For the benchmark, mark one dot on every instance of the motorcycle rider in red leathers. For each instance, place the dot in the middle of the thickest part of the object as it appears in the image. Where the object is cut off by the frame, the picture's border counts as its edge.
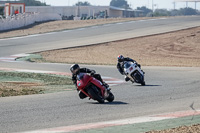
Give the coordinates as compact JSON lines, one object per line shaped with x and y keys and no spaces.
{"x":75,"y":69}
{"x":121,"y":60}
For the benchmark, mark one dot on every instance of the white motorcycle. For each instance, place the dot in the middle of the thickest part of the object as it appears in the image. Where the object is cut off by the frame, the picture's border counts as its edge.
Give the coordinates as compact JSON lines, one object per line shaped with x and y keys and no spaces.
{"x":133,"y":71}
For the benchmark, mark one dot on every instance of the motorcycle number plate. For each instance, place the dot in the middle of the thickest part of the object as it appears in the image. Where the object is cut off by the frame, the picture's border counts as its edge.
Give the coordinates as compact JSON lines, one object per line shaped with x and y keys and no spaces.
{"x":131,"y":68}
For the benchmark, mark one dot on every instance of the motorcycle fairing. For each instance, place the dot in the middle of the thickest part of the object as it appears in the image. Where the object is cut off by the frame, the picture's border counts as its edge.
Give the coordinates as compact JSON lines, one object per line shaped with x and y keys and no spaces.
{"x":99,"y":85}
{"x":130,"y":69}
{"x":85,"y":80}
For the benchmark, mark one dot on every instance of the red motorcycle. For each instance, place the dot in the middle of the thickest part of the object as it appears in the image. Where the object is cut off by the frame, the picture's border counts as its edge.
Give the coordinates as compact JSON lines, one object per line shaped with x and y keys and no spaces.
{"x":93,"y":88}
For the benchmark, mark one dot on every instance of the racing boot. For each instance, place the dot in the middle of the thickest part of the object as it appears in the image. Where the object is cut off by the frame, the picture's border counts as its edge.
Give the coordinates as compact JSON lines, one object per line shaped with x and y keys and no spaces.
{"x":127,"y":78}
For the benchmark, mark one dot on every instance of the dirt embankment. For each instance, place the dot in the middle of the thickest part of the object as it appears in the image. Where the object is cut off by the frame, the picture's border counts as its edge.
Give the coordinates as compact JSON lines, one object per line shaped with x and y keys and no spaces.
{"x":179,"y":48}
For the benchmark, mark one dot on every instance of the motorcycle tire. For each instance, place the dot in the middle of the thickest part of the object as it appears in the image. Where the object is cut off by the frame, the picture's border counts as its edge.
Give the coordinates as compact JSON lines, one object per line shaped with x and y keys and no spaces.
{"x":95,"y":94}
{"x":110,"y":97}
{"x":143,"y":83}
{"x":137,"y":78}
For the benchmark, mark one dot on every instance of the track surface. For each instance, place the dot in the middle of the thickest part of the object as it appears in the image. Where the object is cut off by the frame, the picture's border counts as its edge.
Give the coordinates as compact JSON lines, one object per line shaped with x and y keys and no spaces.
{"x":94,"y":34}
{"x":168,"y":89}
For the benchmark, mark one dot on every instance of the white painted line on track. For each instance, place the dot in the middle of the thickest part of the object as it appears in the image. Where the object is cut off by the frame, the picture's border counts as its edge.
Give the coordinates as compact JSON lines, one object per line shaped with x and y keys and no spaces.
{"x":21,"y":55}
{"x":34,"y":71}
{"x":12,"y":58}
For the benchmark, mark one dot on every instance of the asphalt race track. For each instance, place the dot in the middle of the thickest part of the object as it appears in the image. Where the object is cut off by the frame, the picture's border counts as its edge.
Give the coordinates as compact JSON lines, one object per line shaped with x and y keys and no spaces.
{"x":168,"y":89}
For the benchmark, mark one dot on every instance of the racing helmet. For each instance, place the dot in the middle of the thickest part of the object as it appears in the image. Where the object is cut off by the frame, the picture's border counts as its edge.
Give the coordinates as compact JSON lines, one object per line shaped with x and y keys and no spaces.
{"x":75,"y":68}
{"x":120,"y":58}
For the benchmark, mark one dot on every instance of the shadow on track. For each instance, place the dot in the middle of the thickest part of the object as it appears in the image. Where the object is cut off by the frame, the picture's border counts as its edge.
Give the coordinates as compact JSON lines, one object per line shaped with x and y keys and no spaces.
{"x":115,"y":103}
{"x":153,"y":85}
{"x":111,"y":103}
{"x":147,"y":85}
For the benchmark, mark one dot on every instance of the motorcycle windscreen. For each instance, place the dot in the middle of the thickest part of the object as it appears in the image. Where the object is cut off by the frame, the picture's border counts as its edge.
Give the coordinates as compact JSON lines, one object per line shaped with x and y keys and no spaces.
{"x":80,"y":76}
{"x":127,"y":64}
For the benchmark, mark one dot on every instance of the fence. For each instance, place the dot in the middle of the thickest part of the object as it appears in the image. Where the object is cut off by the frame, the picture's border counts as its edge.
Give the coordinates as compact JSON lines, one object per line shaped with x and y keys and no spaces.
{"x":21,"y":20}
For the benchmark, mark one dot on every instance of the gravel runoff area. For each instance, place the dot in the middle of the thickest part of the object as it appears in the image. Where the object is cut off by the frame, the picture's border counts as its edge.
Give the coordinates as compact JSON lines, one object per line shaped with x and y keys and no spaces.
{"x":179,"y":48}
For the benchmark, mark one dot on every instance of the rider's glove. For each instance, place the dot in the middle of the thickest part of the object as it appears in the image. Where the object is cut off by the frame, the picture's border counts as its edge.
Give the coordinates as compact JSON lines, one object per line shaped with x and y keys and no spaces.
{"x":137,"y":63}
{"x":92,"y":73}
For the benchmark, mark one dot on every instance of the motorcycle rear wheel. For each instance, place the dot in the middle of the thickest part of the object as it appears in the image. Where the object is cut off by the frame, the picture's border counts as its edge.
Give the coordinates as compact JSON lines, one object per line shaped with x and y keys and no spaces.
{"x":94,"y":93}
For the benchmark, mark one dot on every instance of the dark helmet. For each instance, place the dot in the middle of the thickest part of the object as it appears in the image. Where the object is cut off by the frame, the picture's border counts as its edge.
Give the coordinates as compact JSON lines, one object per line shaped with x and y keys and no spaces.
{"x":75,"y":69}
{"x":120,"y":58}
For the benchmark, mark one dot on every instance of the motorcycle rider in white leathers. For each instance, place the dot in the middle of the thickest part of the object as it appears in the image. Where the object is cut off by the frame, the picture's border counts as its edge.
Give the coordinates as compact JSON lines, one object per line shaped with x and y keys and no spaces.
{"x":120,"y":63}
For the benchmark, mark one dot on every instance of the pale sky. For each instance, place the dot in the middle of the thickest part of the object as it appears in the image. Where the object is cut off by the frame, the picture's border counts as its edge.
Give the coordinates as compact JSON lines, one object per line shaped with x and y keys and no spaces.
{"x":167,"y":4}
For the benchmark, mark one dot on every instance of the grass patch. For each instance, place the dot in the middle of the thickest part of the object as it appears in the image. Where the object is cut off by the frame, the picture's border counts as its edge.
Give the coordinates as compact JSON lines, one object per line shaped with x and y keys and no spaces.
{"x":32,"y":58}
{"x":19,"y":83}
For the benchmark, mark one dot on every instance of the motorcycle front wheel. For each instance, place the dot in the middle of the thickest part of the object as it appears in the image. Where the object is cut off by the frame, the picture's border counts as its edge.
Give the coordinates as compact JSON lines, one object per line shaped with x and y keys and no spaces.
{"x":95,"y":94}
{"x":139,"y":79}
{"x":110,"y":97}
{"x":143,"y":83}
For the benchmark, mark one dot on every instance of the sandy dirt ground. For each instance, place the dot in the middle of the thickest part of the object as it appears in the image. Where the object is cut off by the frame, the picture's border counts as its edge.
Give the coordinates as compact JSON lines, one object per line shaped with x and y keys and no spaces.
{"x":179,"y":48}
